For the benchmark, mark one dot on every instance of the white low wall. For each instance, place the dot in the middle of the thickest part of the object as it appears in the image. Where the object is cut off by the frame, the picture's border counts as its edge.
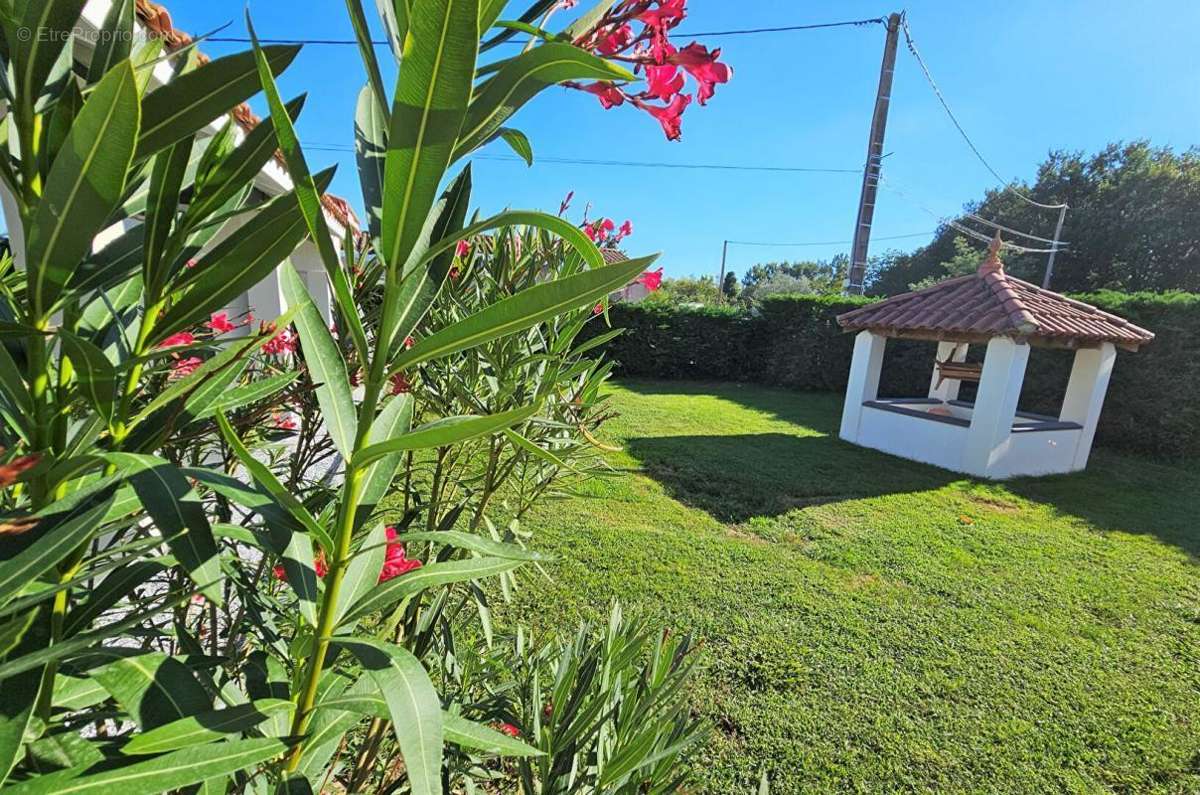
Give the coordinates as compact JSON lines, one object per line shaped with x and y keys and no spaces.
{"x":942,"y":444}
{"x":914,"y":438}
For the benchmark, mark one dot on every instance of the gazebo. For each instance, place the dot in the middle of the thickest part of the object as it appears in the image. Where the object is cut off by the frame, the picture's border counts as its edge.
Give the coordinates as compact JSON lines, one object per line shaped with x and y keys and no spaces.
{"x":989,"y":438}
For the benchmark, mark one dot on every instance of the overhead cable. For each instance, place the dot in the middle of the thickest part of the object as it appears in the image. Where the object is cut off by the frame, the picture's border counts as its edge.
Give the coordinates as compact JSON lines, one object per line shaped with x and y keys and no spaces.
{"x":684,"y":35}
{"x":912,"y":48}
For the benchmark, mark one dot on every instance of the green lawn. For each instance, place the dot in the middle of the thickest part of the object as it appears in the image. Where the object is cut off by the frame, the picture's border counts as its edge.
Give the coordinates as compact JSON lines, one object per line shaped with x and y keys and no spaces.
{"x":874,"y":625}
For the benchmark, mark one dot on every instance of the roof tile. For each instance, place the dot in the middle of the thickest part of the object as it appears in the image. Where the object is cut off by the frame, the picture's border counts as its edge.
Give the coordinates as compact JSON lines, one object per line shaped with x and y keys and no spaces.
{"x":989,"y":302}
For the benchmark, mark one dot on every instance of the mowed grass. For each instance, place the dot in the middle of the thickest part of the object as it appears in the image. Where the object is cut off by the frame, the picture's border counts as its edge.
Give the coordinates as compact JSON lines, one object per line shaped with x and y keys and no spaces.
{"x":873,"y":625}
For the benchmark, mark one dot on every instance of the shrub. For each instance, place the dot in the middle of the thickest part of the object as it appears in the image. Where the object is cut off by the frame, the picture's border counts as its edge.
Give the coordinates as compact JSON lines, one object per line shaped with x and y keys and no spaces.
{"x":795,"y":342}
{"x":182,"y":602}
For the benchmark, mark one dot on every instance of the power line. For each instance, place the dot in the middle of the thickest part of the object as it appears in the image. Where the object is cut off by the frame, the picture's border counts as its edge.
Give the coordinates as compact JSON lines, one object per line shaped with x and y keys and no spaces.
{"x":912,"y":48}
{"x":824,"y":242}
{"x":971,"y":233}
{"x":704,"y":34}
{"x":580,"y":161}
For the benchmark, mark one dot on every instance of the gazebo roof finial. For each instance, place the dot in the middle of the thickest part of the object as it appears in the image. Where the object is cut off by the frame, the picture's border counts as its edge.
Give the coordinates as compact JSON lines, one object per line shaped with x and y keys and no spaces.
{"x":992,"y":261}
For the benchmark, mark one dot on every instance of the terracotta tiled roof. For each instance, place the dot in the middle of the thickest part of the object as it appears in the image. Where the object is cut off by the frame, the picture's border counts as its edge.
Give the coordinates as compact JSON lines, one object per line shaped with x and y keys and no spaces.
{"x":990,"y":303}
{"x":157,"y":21}
{"x":613,"y":255}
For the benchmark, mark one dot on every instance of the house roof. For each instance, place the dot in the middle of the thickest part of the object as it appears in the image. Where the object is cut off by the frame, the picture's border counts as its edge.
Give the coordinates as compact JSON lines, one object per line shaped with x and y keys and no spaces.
{"x":990,"y":303}
{"x":612,"y":256}
{"x":157,"y":21}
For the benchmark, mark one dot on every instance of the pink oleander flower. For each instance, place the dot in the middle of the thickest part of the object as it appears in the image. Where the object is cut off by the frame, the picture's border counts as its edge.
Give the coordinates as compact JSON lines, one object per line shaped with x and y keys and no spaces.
{"x":702,"y":65}
{"x":669,"y":14}
{"x":626,"y":229}
{"x":462,"y":249}
{"x":280,"y":343}
{"x":182,"y":368}
{"x":609,"y":95}
{"x":283,"y":422}
{"x":651,"y":280}
{"x":319,"y":565}
{"x":597,"y":309}
{"x":409,"y":342}
{"x":190,"y":264}
{"x":395,"y":562}
{"x":176,"y":340}
{"x":615,"y":40}
{"x":219,"y":323}
{"x":663,"y":82}
{"x":400,"y":384}
{"x":669,"y":116}
{"x":509,"y":729}
{"x":651,"y":54}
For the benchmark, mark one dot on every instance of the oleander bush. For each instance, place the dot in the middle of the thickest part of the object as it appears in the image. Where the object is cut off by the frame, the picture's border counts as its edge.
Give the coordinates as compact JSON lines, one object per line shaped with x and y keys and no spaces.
{"x":794,"y":341}
{"x":233,"y":554}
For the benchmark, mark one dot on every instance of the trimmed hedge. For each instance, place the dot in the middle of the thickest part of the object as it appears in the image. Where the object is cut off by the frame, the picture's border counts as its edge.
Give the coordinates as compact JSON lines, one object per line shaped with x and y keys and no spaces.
{"x":1153,"y":403}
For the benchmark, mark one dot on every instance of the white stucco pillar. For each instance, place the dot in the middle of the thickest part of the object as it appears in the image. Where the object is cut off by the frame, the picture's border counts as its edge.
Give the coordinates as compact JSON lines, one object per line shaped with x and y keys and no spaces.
{"x":952,"y":352}
{"x":1085,"y":395}
{"x":995,"y":403}
{"x":265,"y":299}
{"x":863,"y":385}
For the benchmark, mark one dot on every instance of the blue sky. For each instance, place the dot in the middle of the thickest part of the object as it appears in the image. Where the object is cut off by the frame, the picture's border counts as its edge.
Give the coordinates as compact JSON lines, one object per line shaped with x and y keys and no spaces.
{"x":1023,"y":76}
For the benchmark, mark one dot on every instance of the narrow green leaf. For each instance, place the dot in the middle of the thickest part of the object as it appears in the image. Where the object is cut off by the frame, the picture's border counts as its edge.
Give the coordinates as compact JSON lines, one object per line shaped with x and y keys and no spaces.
{"x":160,"y":774}
{"x":251,"y":393}
{"x":406,"y":303}
{"x":444,"y":432}
{"x":205,"y":727}
{"x":115,"y":45}
{"x":429,"y":576}
{"x":96,"y":375}
{"x":478,"y":737}
{"x":47,"y":26}
{"x":495,"y":8}
{"x":191,"y":101}
{"x":395,"y":420}
{"x":310,"y":199}
{"x":325,"y":363}
{"x":179,"y":516}
{"x":366,"y":48}
{"x":154,"y":689}
{"x":239,"y":168}
{"x":394,"y":14}
{"x":539,"y":452}
{"x":363,"y":572}
{"x":84,"y":185}
{"x":370,"y":149}
{"x":523,"y":78}
{"x":15,"y":403}
{"x":62,"y":535}
{"x":111,"y":590}
{"x":527,"y":308}
{"x":480,"y":544}
{"x":87,"y":641}
{"x":414,"y":705}
{"x":237,"y":263}
{"x":432,"y":93}
{"x":162,"y":206}
{"x":518,"y":142}
{"x":264,"y":477}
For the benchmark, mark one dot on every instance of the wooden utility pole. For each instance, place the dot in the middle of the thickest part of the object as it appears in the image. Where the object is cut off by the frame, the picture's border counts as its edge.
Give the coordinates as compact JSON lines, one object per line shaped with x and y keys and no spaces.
{"x":870,"y":185}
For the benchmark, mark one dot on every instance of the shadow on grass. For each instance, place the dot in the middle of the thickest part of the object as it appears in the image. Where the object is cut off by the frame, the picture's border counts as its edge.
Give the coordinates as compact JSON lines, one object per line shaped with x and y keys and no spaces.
{"x":1125,"y":494}
{"x":737,"y":477}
